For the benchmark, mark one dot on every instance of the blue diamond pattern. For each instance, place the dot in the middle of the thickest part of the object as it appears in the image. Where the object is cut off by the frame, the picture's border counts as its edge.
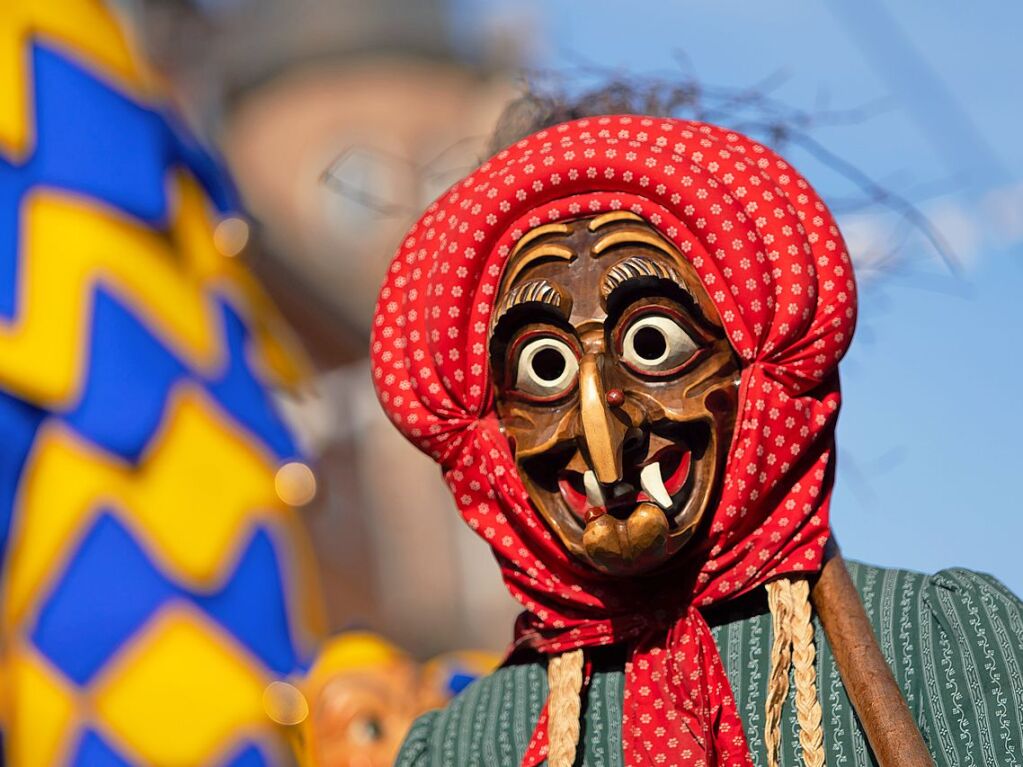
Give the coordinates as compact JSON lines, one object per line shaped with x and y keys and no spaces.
{"x":118,"y":153}
{"x":251,"y":605}
{"x":93,"y":751}
{"x":18,"y":424}
{"x":131,"y":374}
{"x":110,"y":589}
{"x":249,"y":756}
{"x":96,"y":142}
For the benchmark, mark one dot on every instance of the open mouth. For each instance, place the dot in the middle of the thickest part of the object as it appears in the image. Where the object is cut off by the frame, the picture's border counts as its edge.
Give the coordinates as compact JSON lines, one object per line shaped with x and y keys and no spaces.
{"x":663,"y":479}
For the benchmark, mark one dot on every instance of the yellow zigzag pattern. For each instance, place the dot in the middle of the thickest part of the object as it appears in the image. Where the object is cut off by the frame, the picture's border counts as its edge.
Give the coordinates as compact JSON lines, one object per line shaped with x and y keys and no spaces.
{"x":182,"y":694}
{"x":87,"y":31}
{"x":70,"y":246}
{"x":179,"y":694}
{"x":41,"y":725}
{"x":198,"y":489}
{"x":181,"y":690}
{"x":83,"y":29}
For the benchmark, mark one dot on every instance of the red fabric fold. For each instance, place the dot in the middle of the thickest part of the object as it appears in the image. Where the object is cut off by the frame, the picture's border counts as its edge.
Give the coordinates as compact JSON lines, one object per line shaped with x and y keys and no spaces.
{"x":678,"y":707}
{"x":772,"y":260}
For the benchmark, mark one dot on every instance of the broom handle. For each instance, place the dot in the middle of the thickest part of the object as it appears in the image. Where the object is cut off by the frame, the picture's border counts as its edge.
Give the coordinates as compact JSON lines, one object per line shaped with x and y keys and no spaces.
{"x":875,"y":695}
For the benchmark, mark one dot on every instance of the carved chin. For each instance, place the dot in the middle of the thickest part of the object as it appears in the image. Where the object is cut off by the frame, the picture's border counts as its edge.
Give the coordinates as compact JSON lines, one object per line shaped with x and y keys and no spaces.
{"x":634,"y":539}
{"x":614,"y":543}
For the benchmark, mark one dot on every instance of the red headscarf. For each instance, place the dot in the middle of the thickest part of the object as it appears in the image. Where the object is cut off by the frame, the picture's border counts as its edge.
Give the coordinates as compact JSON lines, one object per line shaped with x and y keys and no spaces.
{"x":772,"y":260}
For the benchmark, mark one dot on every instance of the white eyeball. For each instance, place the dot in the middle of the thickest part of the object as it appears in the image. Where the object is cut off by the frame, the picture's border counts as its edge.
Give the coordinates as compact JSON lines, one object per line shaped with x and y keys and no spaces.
{"x":656,"y":344}
{"x":547,"y":366}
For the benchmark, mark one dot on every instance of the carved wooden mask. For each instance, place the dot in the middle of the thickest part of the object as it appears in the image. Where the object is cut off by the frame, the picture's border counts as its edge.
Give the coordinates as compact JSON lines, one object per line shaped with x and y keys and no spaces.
{"x":616,"y":387}
{"x":362,"y":715}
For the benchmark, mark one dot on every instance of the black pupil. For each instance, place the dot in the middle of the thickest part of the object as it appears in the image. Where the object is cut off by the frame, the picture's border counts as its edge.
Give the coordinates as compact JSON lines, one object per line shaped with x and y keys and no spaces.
{"x":649,"y":343}
{"x":548,"y":364}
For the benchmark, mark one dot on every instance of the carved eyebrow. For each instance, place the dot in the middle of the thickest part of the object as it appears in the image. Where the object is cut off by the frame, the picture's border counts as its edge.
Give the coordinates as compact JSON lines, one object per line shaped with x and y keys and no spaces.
{"x":635,"y":268}
{"x":612,"y":217}
{"x":538,"y":291}
{"x":637,"y":236}
{"x":548,"y":250}
{"x":539,"y":231}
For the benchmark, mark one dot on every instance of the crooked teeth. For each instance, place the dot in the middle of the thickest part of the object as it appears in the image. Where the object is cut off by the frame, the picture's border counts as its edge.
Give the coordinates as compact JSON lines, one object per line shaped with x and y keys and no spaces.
{"x":594,"y":493}
{"x":653,"y":485}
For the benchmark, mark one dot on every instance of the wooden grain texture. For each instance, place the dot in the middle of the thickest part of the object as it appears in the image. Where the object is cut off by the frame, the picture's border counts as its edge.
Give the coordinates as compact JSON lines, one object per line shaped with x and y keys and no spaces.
{"x":582,"y":286}
{"x":887,"y":721}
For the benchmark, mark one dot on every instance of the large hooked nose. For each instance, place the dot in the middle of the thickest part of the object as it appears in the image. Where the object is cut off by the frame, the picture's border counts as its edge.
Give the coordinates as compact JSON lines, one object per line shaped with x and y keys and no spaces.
{"x":602,"y":432}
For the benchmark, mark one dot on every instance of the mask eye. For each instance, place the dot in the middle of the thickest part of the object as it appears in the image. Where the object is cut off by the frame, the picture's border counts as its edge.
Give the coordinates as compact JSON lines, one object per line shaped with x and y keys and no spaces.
{"x":546,"y":368}
{"x":656,"y":345}
{"x":366,"y":729}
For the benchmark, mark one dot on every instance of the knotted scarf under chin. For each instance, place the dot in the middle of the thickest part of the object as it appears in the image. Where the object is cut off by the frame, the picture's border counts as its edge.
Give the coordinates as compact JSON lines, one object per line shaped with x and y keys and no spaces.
{"x":678,"y":706}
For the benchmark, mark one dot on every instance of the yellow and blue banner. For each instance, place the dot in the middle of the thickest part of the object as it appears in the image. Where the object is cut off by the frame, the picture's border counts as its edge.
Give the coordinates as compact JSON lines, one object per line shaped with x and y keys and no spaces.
{"x":153,"y":582}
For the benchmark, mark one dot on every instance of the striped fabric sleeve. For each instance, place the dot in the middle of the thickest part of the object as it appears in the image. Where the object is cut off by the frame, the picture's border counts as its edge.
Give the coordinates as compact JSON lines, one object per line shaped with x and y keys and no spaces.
{"x":488,"y":723}
{"x":954,"y":641}
{"x":415,"y":751}
{"x":971,"y":671}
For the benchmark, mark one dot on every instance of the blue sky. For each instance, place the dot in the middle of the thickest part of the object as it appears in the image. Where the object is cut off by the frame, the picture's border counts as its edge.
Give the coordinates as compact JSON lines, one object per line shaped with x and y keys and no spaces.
{"x":929,"y":433}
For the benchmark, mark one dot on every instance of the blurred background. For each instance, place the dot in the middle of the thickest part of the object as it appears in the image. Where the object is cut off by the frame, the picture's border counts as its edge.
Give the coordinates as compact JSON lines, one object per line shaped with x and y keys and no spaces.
{"x":342,"y":119}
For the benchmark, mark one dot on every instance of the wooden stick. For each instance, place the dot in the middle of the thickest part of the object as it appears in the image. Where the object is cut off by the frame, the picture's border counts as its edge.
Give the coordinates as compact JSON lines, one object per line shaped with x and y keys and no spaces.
{"x":869,"y":682}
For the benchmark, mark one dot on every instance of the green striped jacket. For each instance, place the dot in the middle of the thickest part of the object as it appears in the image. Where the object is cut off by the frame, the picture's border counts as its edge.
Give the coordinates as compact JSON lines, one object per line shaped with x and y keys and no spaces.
{"x":954,"y":641}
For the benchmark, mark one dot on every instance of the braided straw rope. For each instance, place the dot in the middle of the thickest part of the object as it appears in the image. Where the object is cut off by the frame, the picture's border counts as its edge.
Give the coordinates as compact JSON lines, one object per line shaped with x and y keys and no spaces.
{"x":792,"y":647}
{"x":804,"y":657}
{"x":791,"y":613}
{"x":565,"y":680}
{"x":781,"y":658}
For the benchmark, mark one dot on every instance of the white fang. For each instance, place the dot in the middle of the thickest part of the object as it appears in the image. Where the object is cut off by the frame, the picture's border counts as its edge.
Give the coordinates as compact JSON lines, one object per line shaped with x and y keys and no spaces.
{"x":653,"y":485}
{"x":594,"y":493}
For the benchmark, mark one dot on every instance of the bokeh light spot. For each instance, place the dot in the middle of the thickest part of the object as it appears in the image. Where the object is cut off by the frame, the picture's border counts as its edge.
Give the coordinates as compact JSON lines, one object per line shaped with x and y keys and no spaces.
{"x":285,"y":704}
{"x":231,"y":235}
{"x":295,"y":483}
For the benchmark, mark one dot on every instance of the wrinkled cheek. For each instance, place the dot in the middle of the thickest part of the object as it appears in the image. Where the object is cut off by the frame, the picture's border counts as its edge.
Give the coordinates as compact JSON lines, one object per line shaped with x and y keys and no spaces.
{"x":679,"y":410}
{"x":722,"y":406}
{"x":722,"y":401}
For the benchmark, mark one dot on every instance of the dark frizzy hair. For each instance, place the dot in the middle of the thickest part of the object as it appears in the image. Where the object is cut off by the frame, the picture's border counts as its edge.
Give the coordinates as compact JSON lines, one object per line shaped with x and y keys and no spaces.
{"x":752,"y":110}
{"x":537,"y":108}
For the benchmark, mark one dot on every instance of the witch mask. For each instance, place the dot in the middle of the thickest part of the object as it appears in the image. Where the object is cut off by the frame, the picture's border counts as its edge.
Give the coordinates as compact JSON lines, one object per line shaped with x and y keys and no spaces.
{"x":616,"y":387}
{"x":571,"y":314}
